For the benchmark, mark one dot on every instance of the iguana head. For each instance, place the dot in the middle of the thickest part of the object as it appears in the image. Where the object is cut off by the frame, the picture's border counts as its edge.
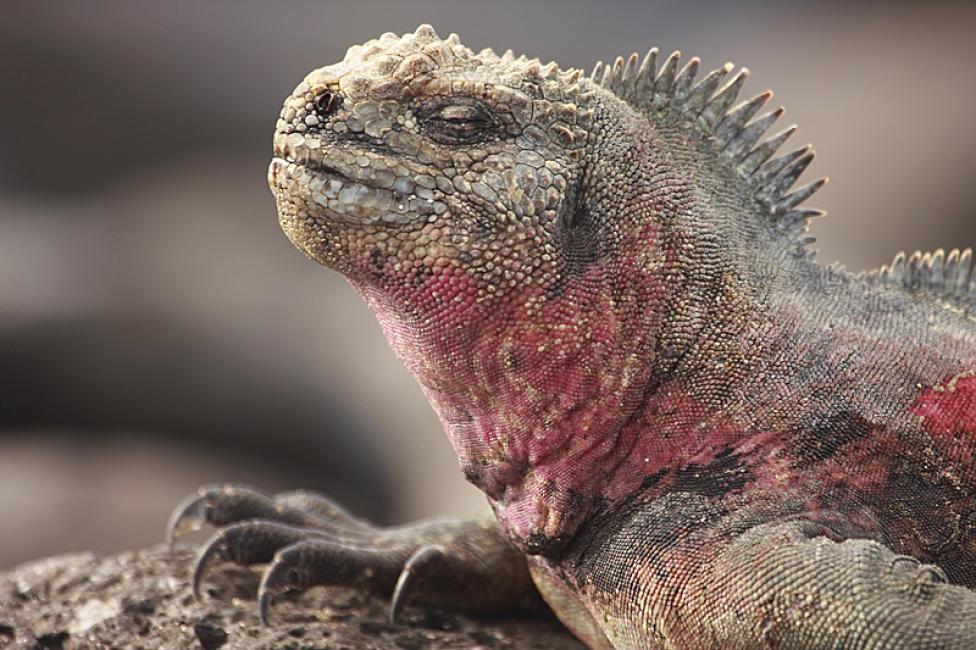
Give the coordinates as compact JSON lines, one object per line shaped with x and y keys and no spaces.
{"x":517,"y":229}
{"x":415,"y":162}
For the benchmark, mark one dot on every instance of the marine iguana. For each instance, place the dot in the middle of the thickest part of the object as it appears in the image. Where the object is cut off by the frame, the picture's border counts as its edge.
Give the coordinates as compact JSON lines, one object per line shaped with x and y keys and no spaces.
{"x":691,"y":434}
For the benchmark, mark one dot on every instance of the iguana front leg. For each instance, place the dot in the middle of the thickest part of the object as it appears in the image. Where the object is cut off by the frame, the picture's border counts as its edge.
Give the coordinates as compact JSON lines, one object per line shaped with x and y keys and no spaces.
{"x":309,"y":540}
{"x":784,"y":584}
{"x":779,"y":586}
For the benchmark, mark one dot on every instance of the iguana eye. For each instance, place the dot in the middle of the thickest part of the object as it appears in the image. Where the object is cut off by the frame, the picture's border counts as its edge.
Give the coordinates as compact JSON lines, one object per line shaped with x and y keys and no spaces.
{"x":457,"y":123}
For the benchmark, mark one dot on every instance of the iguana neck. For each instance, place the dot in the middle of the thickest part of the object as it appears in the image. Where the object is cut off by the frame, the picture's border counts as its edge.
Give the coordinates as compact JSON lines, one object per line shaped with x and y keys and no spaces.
{"x":548,"y":391}
{"x":535,"y":387}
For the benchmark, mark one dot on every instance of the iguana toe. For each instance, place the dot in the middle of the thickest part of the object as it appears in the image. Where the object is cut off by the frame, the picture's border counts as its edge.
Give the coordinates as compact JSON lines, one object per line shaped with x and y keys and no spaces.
{"x":308,"y":540}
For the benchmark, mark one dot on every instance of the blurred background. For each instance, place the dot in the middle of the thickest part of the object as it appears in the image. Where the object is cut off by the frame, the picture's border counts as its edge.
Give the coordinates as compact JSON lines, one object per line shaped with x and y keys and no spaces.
{"x":157,"y":331}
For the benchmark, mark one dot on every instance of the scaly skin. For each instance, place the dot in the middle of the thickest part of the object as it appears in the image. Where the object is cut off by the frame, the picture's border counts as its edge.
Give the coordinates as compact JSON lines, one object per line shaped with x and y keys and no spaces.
{"x":698,"y":436}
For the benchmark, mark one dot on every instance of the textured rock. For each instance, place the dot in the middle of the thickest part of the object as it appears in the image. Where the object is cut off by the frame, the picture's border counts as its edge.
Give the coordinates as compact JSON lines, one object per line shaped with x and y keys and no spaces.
{"x":142,"y":599}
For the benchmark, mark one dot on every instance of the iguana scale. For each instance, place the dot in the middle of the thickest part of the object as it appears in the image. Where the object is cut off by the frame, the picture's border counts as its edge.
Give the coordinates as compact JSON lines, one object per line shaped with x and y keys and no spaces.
{"x":691,"y":434}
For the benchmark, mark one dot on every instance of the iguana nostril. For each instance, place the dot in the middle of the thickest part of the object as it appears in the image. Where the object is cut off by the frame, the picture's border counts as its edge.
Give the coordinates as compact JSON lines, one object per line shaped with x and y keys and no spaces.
{"x":328,"y":103}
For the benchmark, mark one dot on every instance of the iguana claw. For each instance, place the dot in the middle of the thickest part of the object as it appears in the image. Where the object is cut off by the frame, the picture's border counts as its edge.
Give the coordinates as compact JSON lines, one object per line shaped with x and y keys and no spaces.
{"x":422,"y":563}
{"x":308,"y":540}
{"x":188,"y":516}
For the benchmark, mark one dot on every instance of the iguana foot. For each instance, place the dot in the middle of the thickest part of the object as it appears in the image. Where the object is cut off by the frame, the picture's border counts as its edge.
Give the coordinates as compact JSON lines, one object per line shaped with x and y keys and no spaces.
{"x":309,"y":540}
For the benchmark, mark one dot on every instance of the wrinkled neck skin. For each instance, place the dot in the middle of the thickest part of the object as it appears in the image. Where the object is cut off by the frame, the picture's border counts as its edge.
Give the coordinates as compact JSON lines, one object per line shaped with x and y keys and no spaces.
{"x":552,"y":395}
{"x":538,"y":388}
{"x":533,"y":398}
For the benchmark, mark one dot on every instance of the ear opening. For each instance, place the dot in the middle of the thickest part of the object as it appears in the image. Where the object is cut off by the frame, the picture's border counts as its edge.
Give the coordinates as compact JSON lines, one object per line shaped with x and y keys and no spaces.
{"x":578,"y":235}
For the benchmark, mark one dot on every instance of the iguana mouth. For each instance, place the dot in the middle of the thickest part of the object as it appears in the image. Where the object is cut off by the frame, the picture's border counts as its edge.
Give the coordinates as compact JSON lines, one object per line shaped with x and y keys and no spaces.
{"x":352,"y":192}
{"x":322,"y":168}
{"x":323,"y":188}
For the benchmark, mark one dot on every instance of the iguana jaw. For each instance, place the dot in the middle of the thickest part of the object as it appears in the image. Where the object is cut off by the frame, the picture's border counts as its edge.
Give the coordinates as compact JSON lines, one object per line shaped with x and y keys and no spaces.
{"x":331,"y":183}
{"x":326,"y":194}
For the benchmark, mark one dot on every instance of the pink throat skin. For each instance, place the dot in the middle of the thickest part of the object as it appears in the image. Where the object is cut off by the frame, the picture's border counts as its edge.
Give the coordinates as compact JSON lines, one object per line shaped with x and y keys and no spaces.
{"x":534,"y":385}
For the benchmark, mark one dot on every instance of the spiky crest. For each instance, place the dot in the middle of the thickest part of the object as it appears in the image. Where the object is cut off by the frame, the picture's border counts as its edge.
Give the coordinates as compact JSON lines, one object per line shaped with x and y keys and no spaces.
{"x":712,"y":112}
{"x":948,"y":277}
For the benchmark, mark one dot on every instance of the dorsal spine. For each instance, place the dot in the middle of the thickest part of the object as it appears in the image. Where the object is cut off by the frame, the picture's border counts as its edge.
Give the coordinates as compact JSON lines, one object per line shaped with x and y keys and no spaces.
{"x":948,"y":276}
{"x":733,"y":129}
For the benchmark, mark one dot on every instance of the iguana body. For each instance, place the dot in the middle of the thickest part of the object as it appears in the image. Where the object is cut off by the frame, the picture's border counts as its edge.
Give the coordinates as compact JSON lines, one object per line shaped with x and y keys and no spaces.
{"x":699,"y":437}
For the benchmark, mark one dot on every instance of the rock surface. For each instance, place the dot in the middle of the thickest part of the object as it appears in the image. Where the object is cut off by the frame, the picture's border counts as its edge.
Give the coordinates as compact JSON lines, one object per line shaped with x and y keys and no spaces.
{"x":143,"y":600}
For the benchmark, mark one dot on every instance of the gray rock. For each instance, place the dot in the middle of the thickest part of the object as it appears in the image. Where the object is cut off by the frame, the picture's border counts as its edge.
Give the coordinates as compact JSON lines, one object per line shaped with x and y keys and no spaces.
{"x":142,"y":599}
